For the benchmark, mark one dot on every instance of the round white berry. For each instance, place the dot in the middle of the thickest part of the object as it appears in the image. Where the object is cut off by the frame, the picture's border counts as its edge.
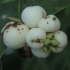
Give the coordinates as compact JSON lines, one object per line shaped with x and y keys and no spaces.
{"x":40,"y":53}
{"x":49,"y":23}
{"x":61,"y":37}
{"x":32,"y":15}
{"x":44,"y":12}
{"x":5,"y":27}
{"x":35,"y":38}
{"x":14,"y":35}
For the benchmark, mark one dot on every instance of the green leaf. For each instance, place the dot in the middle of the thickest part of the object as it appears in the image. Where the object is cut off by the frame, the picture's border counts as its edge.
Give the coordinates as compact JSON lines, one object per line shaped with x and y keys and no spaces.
{"x":2,"y":49}
{"x":0,"y":65}
{"x":54,"y":6}
{"x":5,"y":1}
{"x":51,"y":6}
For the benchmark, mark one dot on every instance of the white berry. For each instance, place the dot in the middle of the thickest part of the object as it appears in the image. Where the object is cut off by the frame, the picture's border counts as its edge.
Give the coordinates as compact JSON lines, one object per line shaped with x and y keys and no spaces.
{"x":14,"y":35}
{"x":40,"y":53}
{"x":44,"y":12}
{"x":32,"y":15}
{"x":50,"y":23}
{"x":61,"y":37}
{"x":35,"y":38}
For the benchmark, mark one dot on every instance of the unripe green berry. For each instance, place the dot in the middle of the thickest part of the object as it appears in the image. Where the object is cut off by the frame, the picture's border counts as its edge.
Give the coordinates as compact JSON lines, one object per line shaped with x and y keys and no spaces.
{"x":45,"y":48}
{"x":50,"y":35}
{"x":52,"y":48}
{"x":54,"y":42}
{"x":47,"y":42}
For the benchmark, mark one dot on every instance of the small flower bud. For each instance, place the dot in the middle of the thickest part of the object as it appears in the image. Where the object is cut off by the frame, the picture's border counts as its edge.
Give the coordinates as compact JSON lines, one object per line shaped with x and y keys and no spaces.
{"x":52,"y":48}
{"x":45,"y":48}
{"x":47,"y":42}
{"x":50,"y":35}
{"x":54,"y":42}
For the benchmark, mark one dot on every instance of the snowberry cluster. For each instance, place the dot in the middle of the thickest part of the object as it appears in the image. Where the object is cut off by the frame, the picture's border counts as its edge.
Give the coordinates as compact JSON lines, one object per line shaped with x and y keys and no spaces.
{"x":40,"y":32}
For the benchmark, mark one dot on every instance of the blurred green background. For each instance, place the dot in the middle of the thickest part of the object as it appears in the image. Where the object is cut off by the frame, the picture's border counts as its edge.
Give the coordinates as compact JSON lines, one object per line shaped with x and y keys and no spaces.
{"x":11,"y":60}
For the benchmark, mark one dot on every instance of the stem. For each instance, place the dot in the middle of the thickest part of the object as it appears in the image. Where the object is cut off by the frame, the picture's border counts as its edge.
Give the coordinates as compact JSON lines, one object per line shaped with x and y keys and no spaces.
{"x":19,"y":9}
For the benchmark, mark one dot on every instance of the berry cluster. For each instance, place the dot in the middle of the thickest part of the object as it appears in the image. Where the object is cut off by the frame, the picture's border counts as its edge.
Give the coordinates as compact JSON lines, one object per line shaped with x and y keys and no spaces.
{"x":40,"y":32}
